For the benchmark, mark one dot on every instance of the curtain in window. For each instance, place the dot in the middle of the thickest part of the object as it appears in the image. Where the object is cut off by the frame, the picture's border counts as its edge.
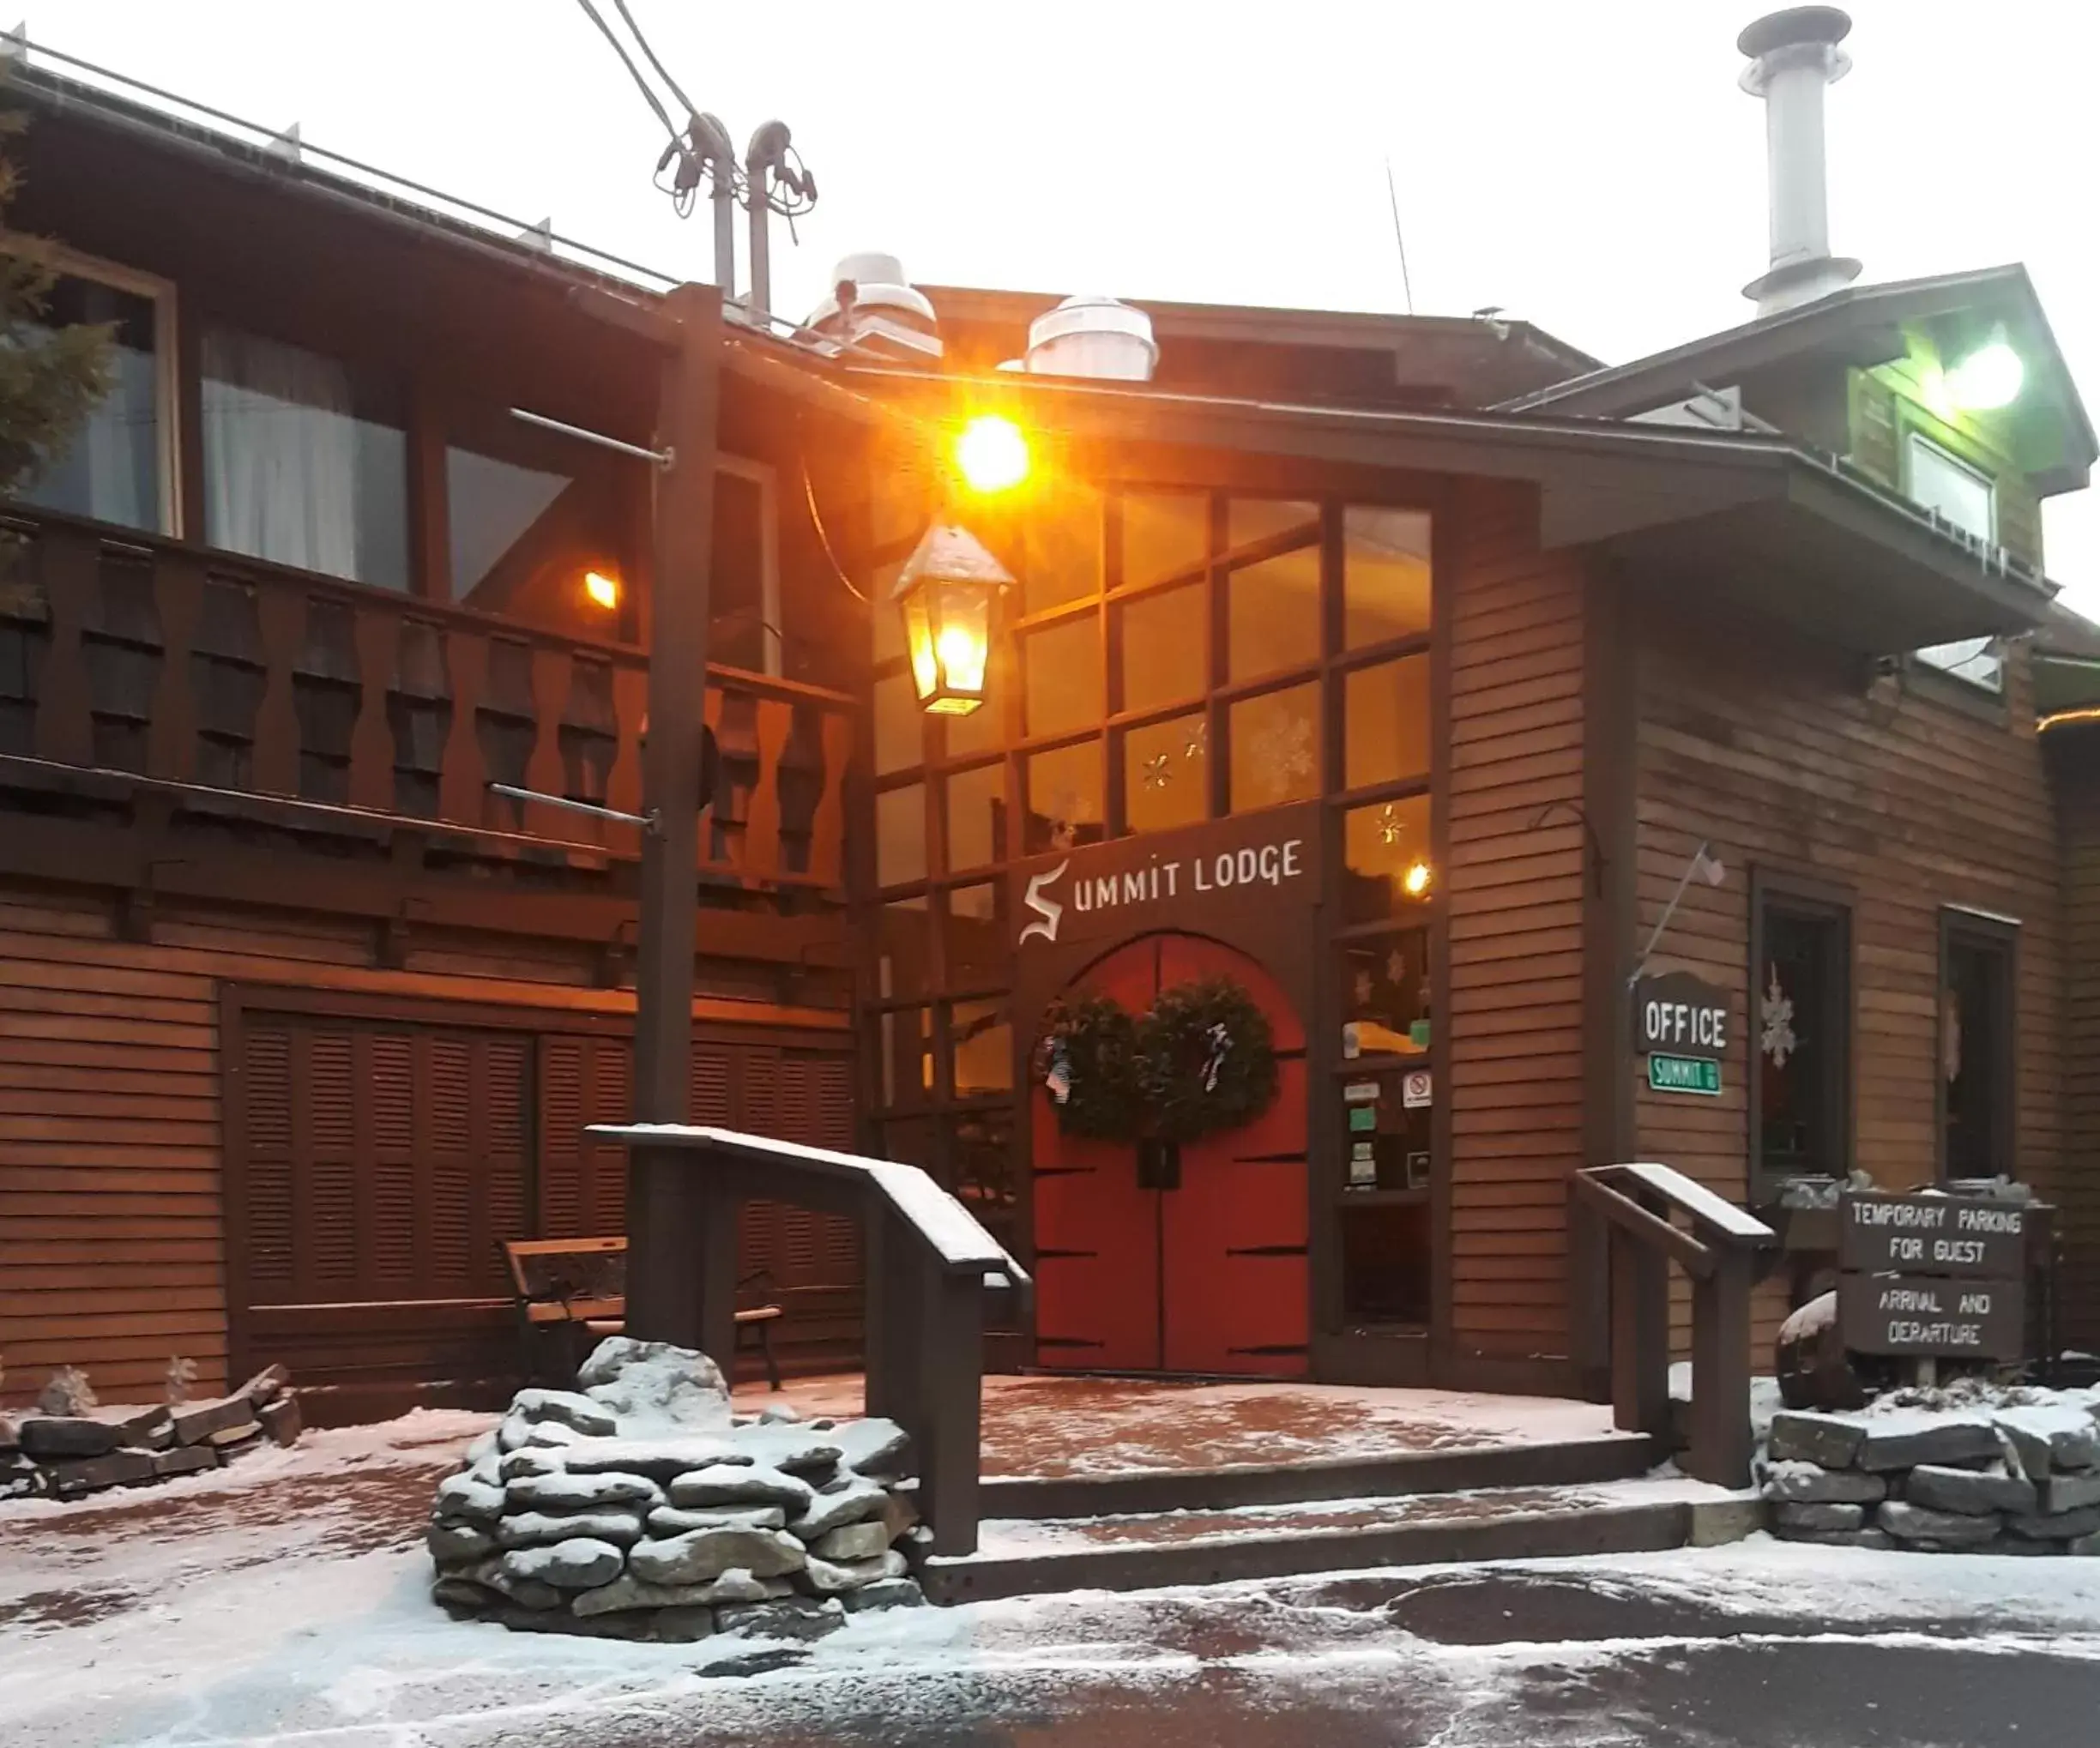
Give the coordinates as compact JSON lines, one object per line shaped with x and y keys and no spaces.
{"x":280,"y":454}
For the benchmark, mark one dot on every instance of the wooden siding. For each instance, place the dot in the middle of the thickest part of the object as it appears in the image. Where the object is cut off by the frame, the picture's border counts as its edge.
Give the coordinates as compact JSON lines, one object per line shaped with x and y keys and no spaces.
{"x":1775,"y":750}
{"x":112,"y":1249}
{"x":2074,"y":759}
{"x":1515,"y":1027}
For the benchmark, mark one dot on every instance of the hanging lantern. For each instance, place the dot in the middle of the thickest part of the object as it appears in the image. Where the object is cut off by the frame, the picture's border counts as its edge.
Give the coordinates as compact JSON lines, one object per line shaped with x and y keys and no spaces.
{"x":946,"y":593}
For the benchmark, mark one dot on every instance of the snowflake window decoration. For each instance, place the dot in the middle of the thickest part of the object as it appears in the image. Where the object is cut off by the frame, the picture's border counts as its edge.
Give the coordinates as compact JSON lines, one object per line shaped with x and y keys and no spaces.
{"x":1776,"y":1021}
{"x":1158,"y":772}
{"x":1389,"y":829}
{"x":1198,"y":741}
{"x":1363,"y":989}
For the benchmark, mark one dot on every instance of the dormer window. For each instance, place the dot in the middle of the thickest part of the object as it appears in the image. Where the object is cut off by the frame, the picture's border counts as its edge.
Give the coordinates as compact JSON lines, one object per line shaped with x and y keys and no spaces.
{"x":1963,"y":496}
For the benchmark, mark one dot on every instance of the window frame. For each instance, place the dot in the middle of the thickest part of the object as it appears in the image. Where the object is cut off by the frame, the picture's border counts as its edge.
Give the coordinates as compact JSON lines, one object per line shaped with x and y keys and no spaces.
{"x":766,"y":478}
{"x":1805,"y":897}
{"x":73,"y":263}
{"x":1915,"y":437}
{"x":1963,"y":925}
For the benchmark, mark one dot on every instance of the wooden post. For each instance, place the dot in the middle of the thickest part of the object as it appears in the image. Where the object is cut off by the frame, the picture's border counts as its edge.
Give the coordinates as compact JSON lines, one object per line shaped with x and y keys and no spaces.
{"x":1721,"y":1440}
{"x":672,"y":1236}
{"x":1640,"y":1337}
{"x":891,"y":1326}
{"x":951,"y":1388}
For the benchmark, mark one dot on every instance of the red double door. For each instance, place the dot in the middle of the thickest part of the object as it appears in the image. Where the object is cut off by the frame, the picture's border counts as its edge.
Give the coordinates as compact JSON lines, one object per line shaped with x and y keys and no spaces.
{"x":1208,"y":1277}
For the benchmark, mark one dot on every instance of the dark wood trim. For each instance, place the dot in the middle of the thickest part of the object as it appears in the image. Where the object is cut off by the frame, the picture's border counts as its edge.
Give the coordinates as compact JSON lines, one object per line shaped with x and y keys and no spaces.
{"x":1823,"y":900}
{"x":1395,"y":1359}
{"x":1982,"y":928}
{"x":785,"y":1028}
{"x":430,"y":533}
{"x":1442,"y":615}
{"x":1610,"y":776}
{"x":233,"y":1176}
{"x":85,"y":854}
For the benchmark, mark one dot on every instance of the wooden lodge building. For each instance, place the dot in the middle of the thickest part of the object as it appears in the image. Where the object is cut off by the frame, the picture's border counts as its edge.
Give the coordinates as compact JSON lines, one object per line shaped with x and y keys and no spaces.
{"x":1399,"y":669}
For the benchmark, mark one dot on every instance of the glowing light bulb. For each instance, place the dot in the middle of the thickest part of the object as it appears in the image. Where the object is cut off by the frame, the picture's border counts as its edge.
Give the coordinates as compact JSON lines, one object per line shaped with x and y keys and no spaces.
{"x":602,"y":589}
{"x":1990,"y":377}
{"x":991,"y":453}
{"x":1416,"y":882}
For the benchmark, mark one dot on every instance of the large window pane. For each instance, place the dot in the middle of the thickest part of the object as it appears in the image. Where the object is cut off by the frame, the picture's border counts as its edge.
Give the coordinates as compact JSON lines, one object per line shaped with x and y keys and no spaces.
{"x":1164,"y":534}
{"x":1976,"y":1056}
{"x":899,"y":835}
{"x":302,"y":466}
{"x":743,"y":592}
{"x":980,"y":951}
{"x":981,"y":1038}
{"x":1166,"y":647}
{"x":906,"y":1037}
{"x":1387,"y":869}
{"x":904,"y":954}
{"x":1063,"y":561}
{"x":1065,"y":799}
{"x":1064,"y":668}
{"x":112,"y":470}
{"x":1251,"y":519}
{"x":492,"y":505}
{"x":1275,"y":747}
{"x":1800,"y":1006}
{"x":1273,"y":619}
{"x":1385,"y":730}
{"x":899,"y":734}
{"x":1385,"y":995}
{"x":1385,"y":575}
{"x":1165,"y":773}
{"x":976,"y":812}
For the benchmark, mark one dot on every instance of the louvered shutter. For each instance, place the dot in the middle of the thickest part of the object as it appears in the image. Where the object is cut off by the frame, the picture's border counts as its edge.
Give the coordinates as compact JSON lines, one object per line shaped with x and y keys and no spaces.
{"x":266,"y":1063}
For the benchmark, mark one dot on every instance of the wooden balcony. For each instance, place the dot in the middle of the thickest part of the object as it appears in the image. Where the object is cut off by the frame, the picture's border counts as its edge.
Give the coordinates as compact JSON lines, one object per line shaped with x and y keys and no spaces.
{"x":129,"y":653}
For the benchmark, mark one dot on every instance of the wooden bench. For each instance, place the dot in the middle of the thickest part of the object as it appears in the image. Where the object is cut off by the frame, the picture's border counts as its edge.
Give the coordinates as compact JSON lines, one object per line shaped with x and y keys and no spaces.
{"x":575,"y":1289}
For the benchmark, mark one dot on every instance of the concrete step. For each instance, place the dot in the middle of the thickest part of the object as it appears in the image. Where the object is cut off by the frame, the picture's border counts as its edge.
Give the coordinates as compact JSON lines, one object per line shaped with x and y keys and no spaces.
{"x":1140,"y":1551}
{"x":1609,"y":1456}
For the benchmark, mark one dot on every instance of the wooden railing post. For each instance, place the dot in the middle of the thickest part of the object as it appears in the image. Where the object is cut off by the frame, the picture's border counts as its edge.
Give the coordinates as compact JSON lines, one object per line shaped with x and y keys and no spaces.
{"x":1639,"y":1336}
{"x":1720,"y":1433}
{"x":951,"y":1387}
{"x":66,"y":566}
{"x":172,"y":737}
{"x":890,"y":1322}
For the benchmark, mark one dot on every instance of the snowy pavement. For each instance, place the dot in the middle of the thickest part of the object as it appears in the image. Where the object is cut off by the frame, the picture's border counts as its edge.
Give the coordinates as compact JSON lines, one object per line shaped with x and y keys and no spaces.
{"x":285,"y":1600}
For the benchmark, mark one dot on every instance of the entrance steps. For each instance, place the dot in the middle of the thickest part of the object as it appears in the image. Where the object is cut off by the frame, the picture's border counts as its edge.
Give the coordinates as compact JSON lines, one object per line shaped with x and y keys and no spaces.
{"x":1142,"y":1529}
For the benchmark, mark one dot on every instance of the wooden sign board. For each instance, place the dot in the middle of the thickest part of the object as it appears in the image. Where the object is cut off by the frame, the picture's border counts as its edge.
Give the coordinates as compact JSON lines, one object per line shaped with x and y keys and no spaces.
{"x":1680,"y":1015}
{"x":1948,"y":1235}
{"x":1245,"y":866}
{"x":1926,"y":1316}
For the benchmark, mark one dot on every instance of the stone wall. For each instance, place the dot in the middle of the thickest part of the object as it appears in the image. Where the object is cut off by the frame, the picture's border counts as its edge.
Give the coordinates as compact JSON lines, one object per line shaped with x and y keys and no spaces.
{"x":638,"y":1507}
{"x":2023,"y":1478}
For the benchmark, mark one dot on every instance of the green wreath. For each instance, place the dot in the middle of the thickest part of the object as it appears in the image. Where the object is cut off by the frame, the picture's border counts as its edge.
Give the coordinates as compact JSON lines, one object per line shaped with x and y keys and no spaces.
{"x":1208,"y":1060}
{"x":1087,"y":1059}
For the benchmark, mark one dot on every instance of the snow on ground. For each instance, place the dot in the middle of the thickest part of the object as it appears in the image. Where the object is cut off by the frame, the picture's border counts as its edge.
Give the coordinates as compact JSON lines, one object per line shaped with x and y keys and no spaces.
{"x":286,"y":1599}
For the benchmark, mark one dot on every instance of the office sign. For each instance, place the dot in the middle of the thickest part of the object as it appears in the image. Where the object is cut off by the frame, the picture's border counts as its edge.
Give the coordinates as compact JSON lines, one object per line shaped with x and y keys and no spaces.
{"x":1950,"y":1235}
{"x":1681,"y":1015}
{"x":1931,"y":1318}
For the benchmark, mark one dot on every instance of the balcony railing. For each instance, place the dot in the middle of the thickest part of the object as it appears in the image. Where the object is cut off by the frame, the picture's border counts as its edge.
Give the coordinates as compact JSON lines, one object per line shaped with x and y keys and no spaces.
{"x":134,"y":653}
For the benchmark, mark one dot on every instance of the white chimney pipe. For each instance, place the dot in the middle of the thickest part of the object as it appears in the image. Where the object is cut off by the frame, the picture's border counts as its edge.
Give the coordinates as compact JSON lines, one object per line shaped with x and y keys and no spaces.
{"x":1793,"y":54}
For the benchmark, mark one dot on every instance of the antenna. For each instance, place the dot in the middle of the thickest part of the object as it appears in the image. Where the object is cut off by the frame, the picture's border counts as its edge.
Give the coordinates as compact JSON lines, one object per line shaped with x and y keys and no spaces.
{"x":1392,"y":195}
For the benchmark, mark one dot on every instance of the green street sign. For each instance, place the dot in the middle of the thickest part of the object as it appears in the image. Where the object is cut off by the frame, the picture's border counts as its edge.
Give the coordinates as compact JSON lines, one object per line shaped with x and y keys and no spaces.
{"x":1684,"y":1073}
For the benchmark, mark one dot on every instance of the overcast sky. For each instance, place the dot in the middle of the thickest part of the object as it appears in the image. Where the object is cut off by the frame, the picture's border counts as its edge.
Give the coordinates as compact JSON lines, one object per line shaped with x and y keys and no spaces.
{"x":1592,"y":168}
